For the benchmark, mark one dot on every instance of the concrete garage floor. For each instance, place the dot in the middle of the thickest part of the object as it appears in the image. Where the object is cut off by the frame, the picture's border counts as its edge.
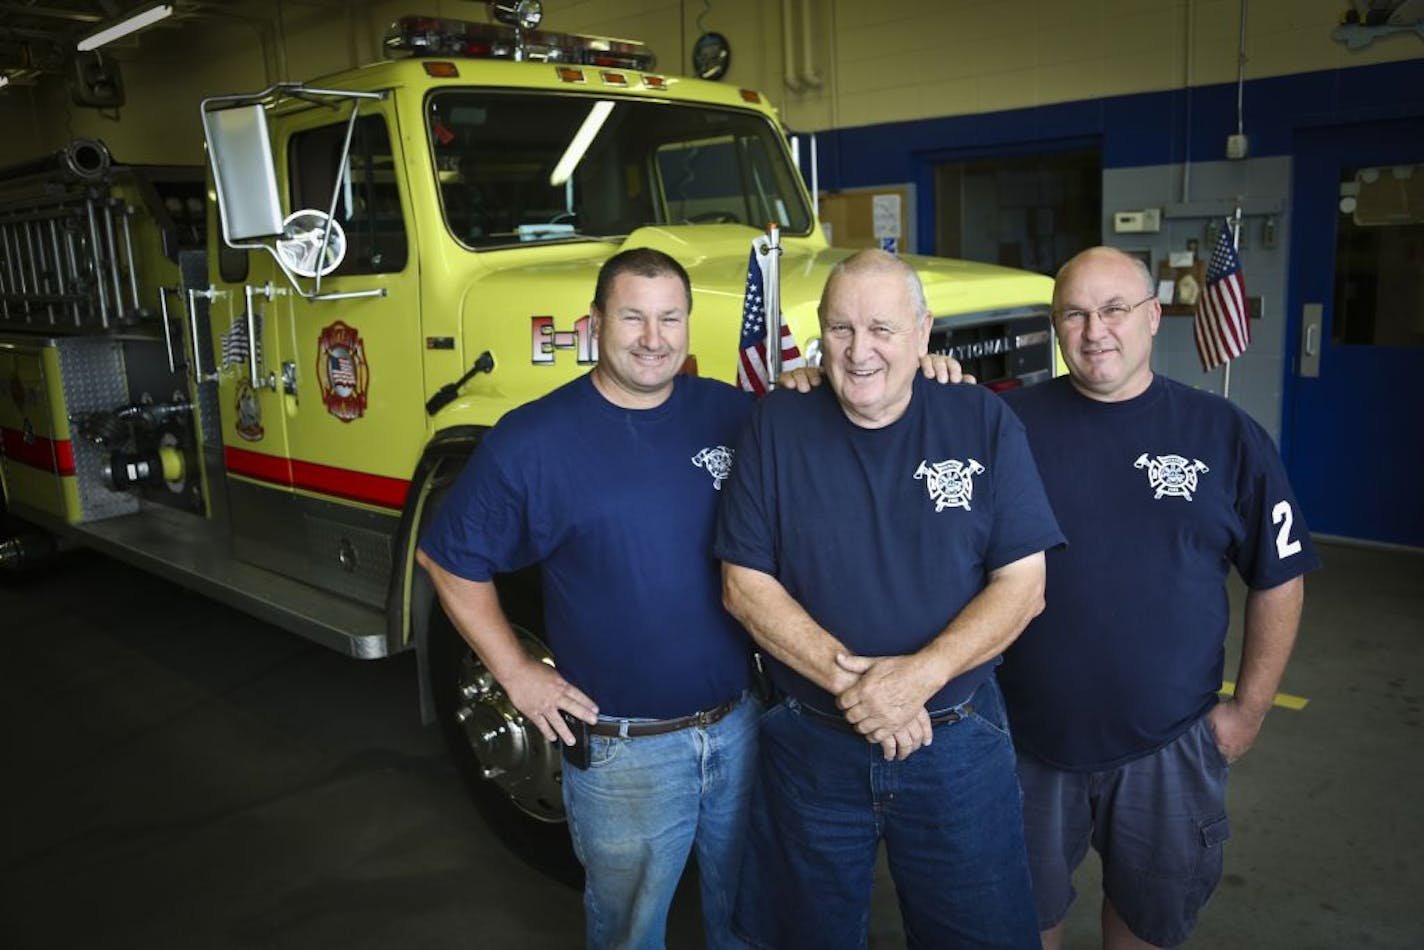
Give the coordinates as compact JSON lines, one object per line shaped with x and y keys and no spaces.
{"x":178,"y":775}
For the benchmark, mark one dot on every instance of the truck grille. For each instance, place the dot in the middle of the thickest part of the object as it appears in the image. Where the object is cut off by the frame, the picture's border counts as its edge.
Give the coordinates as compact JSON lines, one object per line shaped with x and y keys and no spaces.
{"x":999,"y":347}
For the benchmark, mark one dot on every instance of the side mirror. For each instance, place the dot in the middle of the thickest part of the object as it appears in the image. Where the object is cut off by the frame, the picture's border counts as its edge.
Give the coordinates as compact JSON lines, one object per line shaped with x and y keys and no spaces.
{"x":312,"y":243}
{"x":244,"y":176}
{"x":306,"y":243}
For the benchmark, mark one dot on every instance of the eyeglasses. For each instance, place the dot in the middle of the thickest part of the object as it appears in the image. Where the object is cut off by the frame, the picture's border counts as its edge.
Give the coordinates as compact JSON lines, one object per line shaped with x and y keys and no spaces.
{"x":1111,"y":314}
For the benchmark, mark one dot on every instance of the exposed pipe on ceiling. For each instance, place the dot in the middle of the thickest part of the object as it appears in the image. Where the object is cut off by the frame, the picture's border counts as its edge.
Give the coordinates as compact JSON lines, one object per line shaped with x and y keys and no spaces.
{"x":1241,"y":74}
{"x":798,"y":46}
{"x":808,"y":74}
{"x":788,"y":48}
{"x":1187,"y":84}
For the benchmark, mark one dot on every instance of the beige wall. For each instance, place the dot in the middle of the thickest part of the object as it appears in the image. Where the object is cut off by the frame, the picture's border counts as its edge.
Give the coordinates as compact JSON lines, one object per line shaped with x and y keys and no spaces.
{"x":914,"y":59}
{"x":875,"y":62}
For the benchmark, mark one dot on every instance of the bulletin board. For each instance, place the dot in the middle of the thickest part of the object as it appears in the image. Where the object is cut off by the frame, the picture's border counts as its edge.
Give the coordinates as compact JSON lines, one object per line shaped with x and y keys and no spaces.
{"x":871,"y":217}
{"x":1179,"y":287}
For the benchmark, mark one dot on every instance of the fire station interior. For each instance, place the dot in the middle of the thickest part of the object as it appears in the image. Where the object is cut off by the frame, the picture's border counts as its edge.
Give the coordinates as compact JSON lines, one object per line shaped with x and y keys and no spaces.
{"x":183,"y":774}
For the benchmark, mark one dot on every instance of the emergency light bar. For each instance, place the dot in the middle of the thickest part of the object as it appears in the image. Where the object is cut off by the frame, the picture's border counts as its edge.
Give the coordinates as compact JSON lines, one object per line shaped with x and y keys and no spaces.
{"x":439,"y":36}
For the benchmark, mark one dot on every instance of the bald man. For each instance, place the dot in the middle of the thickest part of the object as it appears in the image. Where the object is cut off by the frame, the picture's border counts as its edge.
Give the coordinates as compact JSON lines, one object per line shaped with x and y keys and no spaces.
{"x":882,"y":540}
{"x":1112,"y":690}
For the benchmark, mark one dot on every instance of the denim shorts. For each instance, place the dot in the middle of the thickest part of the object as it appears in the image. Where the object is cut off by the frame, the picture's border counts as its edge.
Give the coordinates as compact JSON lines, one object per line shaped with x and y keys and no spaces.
{"x":1158,"y":822}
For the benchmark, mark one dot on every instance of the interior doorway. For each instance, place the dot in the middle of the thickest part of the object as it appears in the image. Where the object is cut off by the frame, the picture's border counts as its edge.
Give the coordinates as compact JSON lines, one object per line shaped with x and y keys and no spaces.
{"x":1028,"y":211}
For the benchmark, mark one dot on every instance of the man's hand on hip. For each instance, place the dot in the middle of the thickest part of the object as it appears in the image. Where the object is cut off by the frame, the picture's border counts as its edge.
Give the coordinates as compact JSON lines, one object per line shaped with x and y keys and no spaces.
{"x":539,"y":692}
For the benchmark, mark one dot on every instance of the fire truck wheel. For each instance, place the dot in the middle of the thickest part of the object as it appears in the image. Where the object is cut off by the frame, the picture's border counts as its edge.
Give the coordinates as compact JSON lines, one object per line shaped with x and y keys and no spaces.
{"x":509,"y":768}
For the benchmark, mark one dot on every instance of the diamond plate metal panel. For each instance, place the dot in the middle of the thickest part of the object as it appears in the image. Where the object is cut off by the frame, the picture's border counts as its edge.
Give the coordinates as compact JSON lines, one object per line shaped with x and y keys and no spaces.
{"x":348,"y":559}
{"x":92,"y":377}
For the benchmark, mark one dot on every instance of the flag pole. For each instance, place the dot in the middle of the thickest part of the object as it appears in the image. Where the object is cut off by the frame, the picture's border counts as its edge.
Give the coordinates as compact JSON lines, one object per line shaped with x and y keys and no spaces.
{"x":1235,"y":224}
{"x":772,"y":302}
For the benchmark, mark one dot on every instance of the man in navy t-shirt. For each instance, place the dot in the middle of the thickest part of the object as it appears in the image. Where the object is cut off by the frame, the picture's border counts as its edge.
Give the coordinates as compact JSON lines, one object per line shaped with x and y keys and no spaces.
{"x":882,"y":540}
{"x":1112,"y":690}
{"x":610,"y":483}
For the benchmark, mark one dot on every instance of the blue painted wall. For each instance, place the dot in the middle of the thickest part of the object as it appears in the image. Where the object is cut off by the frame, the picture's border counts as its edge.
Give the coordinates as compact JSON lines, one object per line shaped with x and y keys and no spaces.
{"x":1157,"y":128}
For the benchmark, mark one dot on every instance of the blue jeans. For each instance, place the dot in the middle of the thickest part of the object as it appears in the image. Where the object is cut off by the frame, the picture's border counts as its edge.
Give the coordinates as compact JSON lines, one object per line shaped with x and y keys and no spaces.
{"x":641,"y":807}
{"x":950,"y":815}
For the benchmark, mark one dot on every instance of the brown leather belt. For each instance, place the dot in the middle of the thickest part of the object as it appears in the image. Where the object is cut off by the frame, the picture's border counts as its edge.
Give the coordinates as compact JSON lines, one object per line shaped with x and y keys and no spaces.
{"x":658,"y":727}
{"x":840,"y":722}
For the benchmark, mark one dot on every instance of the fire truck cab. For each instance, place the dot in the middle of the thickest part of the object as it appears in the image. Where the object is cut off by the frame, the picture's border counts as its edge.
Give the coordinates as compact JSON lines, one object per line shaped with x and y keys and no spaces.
{"x":259,"y":378}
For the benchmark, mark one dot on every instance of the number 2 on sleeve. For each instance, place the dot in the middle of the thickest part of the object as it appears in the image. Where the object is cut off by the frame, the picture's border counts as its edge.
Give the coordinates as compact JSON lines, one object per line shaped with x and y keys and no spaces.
{"x":1285,"y":517}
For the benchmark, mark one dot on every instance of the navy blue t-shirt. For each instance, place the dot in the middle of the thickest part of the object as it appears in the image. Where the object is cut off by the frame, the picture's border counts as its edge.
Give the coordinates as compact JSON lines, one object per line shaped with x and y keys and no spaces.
{"x":618,"y":506}
{"x":883,"y":535}
{"x":1159,"y":496}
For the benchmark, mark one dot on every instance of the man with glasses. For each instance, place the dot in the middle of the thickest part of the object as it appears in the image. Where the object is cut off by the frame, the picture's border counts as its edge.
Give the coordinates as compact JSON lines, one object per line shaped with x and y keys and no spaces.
{"x":1112,"y":690}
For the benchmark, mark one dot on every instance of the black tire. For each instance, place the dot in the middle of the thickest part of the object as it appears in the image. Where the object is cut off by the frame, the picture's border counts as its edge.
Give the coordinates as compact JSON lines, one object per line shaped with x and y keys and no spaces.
{"x":541,"y":842}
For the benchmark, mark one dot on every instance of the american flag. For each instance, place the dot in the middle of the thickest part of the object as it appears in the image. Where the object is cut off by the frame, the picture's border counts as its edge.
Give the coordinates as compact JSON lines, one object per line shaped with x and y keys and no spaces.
{"x":234,"y":341}
{"x":753,"y":375}
{"x":342,"y":370}
{"x":1222,"y":323}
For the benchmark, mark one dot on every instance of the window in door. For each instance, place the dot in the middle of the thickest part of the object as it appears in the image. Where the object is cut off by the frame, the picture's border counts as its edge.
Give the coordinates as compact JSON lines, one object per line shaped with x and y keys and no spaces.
{"x":368,"y":204}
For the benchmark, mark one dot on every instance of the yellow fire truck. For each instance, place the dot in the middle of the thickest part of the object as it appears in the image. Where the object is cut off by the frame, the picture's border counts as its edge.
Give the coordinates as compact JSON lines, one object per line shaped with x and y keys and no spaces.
{"x":258,"y":379}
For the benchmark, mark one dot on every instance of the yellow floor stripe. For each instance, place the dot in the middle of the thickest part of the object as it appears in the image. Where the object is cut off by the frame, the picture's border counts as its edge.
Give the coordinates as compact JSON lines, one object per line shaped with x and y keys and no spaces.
{"x":1283,"y":700}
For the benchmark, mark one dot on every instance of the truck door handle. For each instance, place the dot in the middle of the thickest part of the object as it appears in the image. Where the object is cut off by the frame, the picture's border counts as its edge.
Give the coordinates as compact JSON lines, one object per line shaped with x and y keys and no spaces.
{"x":253,"y":372}
{"x":199,"y":377}
{"x":1312,"y":341}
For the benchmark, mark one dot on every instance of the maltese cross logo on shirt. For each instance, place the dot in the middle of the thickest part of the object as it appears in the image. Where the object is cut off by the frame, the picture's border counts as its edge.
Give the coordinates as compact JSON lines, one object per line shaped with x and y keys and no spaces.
{"x":950,"y":482}
{"x":1171,"y":474}
{"x":718,"y":462}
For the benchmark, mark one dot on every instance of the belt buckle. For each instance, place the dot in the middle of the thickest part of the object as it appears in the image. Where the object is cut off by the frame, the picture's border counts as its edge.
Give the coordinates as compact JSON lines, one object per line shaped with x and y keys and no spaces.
{"x":707,"y":717}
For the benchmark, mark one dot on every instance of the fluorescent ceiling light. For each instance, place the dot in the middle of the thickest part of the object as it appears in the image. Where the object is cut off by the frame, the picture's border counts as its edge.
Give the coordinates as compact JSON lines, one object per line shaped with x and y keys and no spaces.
{"x":130,"y":24}
{"x":583,"y":138}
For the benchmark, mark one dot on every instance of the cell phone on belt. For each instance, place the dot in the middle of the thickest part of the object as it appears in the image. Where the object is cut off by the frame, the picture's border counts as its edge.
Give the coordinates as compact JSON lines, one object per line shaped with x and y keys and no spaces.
{"x":578,"y":754}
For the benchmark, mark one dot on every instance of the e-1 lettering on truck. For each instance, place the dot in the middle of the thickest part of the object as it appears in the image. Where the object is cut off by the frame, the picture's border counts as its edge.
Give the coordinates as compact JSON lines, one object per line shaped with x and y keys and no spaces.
{"x":259,"y":379}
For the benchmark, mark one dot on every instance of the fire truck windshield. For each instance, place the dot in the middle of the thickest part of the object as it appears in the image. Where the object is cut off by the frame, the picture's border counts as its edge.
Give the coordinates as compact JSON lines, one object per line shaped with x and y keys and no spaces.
{"x":518,"y":167}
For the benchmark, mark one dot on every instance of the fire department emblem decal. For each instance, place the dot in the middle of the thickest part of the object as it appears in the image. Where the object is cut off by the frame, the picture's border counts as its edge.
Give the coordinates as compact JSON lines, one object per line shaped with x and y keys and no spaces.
{"x":342,"y":371}
{"x":1171,"y":474}
{"x":950,"y":482}
{"x":718,"y":462}
{"x":249,"y":413}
